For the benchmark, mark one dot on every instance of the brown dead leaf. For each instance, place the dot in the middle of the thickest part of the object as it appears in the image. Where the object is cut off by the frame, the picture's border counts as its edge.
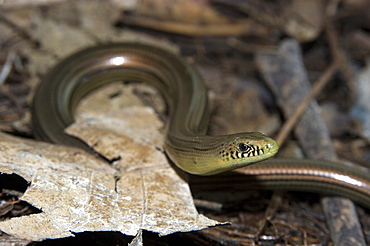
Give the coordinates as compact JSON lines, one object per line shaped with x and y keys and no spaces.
{"x":129,"y":133}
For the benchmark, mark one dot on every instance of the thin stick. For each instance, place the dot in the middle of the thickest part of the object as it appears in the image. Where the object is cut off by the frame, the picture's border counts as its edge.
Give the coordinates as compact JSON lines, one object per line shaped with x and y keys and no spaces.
{"x":237,"y":28}
{"x":317,"y":88}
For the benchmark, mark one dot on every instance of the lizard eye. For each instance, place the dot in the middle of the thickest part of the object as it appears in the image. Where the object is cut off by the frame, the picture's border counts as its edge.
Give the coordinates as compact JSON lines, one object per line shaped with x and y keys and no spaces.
{"x":242,"y":147}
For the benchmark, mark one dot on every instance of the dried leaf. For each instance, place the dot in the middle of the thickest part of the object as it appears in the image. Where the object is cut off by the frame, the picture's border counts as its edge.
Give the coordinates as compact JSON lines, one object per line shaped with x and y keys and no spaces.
{"x":77,"y":193}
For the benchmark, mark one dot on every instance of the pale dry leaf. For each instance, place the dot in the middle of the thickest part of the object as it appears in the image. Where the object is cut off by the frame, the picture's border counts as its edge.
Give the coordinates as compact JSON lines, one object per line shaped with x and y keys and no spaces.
{"x":97,"y":18}
{"x":132,"y":135}
{"x":138,"y":240}
{"x":88,"y":22}
{"x":127,"y":133}
{"x":116,"y":96}
{"x":59,"y":41}
{"x":43,"y":155}
{"x":77,"y":192}
{"x":128,"y":136}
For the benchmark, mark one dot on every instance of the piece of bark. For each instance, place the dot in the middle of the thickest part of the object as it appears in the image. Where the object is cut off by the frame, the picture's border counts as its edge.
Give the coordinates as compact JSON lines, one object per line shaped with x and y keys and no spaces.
{"x":342,"y":220}
{"x":285,"y":74}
